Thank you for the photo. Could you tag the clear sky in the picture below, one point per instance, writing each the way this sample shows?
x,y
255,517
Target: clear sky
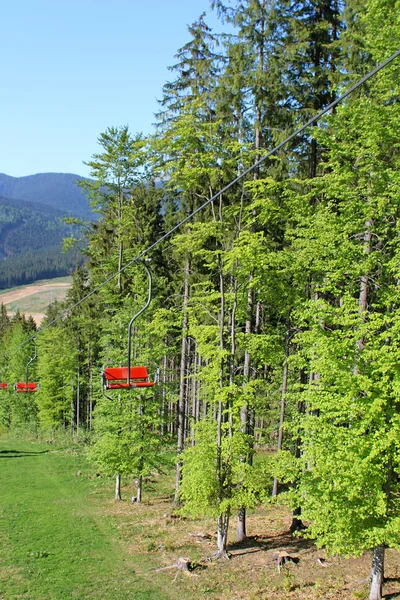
x,y
71,68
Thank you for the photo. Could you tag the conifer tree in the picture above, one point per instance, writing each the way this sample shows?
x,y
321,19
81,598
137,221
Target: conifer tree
x,y
57,373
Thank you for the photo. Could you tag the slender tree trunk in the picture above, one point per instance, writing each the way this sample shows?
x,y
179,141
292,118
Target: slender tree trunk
x,y
282,412
183,385
139,489
195,399
223,527
223,518
118,487
241,525
297,523
377,571
119,287
164,396
244,411
120,248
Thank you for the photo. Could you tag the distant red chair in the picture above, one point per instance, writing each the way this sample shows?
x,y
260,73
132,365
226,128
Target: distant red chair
x,y
26,387
3,386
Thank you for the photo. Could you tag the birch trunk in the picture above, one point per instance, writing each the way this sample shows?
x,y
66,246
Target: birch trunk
x,y
118,487
223,518
377,571
223,527
139,489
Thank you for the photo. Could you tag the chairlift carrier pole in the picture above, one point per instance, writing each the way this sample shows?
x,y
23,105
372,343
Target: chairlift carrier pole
x,y
27,366
134,319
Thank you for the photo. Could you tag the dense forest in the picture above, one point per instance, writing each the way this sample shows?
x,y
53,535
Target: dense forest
x,y
31,243
272,329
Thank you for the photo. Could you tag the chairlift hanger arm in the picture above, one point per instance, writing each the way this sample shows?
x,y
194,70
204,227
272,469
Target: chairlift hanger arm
x,y
118,378
29,362
150,280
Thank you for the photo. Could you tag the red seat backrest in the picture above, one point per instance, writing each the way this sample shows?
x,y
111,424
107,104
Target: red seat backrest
x,y
3,386
22,386
121,373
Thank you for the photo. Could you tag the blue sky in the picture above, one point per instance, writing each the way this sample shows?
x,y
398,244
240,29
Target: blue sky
x,y
72,68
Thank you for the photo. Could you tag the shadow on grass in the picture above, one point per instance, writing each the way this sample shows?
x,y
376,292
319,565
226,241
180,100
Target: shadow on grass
x,y
19,453
392,595
277,542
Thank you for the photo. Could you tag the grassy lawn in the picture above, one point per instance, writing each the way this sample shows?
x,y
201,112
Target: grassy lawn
x,y
62,536
55,540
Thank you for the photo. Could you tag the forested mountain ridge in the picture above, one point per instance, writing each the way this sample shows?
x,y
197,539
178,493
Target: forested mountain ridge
x,y
56,190
31,237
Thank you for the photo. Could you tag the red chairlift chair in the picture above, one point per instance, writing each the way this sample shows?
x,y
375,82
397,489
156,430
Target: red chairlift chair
x,y
126,378
27,387
116,378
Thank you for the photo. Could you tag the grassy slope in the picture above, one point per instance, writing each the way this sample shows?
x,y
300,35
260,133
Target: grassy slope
x,y
55,541
67,279
38,301
63,537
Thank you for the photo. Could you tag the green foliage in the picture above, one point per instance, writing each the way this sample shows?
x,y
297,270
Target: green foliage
x,y
127,440
217,480
57,366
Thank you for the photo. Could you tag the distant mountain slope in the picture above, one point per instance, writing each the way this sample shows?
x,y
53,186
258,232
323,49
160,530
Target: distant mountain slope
x,y
56,190
31,243
28,227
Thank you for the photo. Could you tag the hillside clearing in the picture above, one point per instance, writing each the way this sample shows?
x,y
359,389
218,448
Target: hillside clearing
x,y
34,298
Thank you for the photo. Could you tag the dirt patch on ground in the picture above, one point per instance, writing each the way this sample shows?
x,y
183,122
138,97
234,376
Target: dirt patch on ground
x,y
40,294
28,290
152,530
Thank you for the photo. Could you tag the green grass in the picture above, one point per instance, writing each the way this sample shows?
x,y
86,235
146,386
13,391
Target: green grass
x,y
56,542
63,537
